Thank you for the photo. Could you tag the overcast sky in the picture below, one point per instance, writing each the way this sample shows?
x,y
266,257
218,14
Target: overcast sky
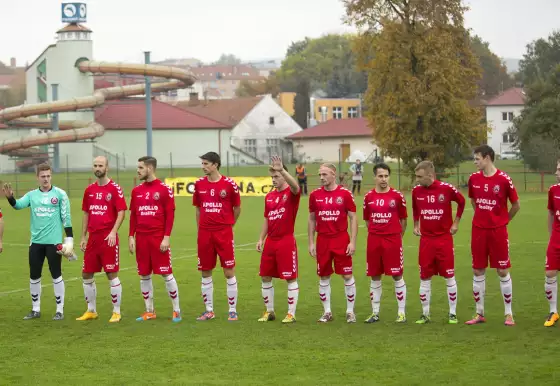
x,y
250,29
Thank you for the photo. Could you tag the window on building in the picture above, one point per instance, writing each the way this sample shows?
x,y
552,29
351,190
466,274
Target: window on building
x,y
510,116
271,120
250,146
352,112
272,146
507,138
337,112
507,116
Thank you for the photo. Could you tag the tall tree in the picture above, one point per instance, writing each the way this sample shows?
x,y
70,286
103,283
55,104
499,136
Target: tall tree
x,y
422,77
541,58
302,103
495,77
253,88
537,128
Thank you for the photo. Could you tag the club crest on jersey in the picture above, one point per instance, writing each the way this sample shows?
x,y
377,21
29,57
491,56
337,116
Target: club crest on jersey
x,y
339,200
156,196
392,203
108,197
54,200
223,193
284,197
441,198
496,189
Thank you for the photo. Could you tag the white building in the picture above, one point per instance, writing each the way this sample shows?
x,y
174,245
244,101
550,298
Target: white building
x,y
500,112
260,125
334,140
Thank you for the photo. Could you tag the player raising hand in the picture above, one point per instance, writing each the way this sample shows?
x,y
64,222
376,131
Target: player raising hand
x,y
279,256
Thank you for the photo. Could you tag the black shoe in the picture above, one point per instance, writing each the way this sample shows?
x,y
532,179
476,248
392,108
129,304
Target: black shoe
x,y
58,316
32,315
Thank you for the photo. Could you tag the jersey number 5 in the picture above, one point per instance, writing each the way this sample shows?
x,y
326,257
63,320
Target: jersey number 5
x,y
485,187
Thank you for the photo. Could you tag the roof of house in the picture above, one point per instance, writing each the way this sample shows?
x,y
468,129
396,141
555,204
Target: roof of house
x,y
74,27
227,111
6,80
335,128
131,114
511,97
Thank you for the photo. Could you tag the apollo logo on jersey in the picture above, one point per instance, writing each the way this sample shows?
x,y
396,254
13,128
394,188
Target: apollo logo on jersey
x,y
248,186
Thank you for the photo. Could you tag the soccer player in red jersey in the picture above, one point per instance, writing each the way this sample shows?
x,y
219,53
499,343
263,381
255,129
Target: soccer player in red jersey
x,y
218,206
489,191
279,256
104,208
385,214
433,222
152,213
330,207
553,251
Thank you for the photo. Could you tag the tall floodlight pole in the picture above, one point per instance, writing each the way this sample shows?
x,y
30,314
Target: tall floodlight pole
x,y
56,155
148,108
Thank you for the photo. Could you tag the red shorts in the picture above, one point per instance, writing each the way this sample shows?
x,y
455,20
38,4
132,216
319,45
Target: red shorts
x,y
331,249
384,255
149,258
436,256
490,243
213,243
279,258
99,255
553,253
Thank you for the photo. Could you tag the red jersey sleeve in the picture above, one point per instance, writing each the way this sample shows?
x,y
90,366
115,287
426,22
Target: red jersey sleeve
x,y
132,221
350,203
365,208
235,197
512,191
471,192
85,200
460,200
195,199
120,202
550,200
402,206
415,211
312,203
169,209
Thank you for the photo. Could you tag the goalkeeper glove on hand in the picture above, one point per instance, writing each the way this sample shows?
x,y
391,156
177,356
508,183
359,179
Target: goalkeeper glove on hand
x,y
67,249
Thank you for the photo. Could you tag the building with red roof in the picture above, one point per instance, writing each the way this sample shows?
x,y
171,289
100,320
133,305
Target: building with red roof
x,y
334,140
500,112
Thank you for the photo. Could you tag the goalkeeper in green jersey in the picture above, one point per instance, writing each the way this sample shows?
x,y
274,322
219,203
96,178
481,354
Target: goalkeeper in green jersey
x,y
50,212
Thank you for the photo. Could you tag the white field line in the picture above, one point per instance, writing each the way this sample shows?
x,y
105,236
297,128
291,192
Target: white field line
x,y
237,247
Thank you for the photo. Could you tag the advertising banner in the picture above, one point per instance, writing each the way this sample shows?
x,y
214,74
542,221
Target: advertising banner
x,y
248,186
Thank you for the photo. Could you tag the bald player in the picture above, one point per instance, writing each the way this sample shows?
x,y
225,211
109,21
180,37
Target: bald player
x,y
104,208
330,207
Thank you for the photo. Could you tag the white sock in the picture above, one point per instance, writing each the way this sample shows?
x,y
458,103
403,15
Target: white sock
x,y
325,293
425,295
400,294
375,290
350,290
479,288
90,293
293,294
116,294
58,285
232,293
35,290
452,295
551,292
147,289
507,292
173,291
268,295
207,289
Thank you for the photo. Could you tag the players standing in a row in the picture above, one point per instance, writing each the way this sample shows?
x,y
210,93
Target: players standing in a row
x,y
277,242
384,212
330,207
552,264
50,212
433,222
218,206
152,213
489,191
104,209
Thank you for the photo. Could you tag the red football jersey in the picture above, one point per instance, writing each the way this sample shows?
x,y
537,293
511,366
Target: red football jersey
x,y
280,208
103,204
554,207
432,207
216,201
491,195
383,211
331,209
152,209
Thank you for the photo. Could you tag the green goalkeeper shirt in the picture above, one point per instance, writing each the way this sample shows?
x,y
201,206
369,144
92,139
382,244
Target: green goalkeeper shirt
x,y
50,212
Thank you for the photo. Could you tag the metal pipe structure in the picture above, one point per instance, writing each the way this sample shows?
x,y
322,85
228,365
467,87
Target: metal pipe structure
x,y
72,131
148,109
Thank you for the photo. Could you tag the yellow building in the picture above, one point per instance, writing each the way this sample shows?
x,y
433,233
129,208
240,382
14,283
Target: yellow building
x,y
324,109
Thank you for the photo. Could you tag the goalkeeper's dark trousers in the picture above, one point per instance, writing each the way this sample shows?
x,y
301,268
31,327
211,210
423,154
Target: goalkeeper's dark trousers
x,y
37,254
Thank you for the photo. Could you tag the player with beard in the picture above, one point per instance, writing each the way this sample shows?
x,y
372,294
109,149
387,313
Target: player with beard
x,y
104,208
152,213
218,205
279,256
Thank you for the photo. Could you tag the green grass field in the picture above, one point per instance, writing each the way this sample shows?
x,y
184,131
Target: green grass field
x,y
247,352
